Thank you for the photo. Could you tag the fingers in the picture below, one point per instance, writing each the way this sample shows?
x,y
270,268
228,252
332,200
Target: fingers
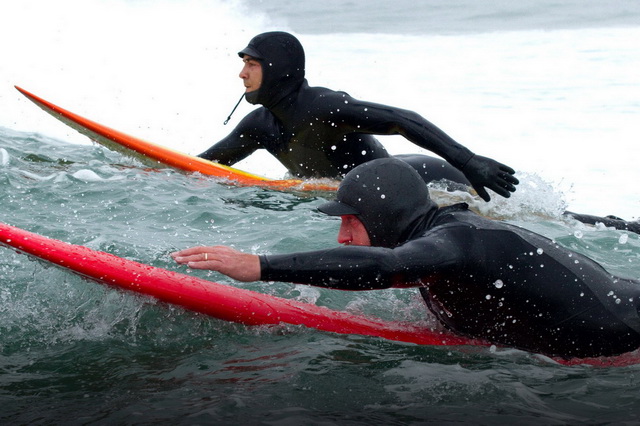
x,y
199,257
226,260
509,178
506,181
198,261
503,192
189,251
482,193
508,186
507,169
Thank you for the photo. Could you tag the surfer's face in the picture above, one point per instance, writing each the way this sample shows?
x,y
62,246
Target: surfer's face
x,y
251,73
352,232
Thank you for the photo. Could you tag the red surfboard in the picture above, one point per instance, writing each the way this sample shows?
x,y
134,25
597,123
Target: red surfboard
x,y
155,155
218,300
234,304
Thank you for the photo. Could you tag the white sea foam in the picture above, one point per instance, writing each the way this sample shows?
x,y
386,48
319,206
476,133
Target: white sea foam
x,y
4,157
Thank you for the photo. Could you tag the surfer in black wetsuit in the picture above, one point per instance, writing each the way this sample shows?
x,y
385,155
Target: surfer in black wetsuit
x,y
320,133
481,278
316,132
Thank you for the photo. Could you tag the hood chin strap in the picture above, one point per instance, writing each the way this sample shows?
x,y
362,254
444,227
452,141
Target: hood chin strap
x,y
233,110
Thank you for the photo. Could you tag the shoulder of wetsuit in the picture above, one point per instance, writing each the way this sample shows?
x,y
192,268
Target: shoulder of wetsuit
x,y
321,96
453,213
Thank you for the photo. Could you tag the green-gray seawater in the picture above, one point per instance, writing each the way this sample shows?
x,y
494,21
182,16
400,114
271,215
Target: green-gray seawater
x,y
76,352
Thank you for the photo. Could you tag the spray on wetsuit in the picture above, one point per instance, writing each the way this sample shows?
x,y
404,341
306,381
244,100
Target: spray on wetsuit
x,y
481,278
316,132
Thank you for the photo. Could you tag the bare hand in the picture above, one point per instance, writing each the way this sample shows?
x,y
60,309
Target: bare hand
x,y
230,262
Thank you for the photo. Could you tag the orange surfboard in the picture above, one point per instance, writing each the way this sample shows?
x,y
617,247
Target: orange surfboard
x,y
155,155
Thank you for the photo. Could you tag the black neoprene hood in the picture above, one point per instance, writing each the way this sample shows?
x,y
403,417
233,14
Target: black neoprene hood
x,y
282,58
388,196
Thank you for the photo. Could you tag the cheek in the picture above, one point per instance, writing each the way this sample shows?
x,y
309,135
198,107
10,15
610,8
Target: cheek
x,y
361,239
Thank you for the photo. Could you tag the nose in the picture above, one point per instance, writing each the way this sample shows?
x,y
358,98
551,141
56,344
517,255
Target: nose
x,y
243,72
344,236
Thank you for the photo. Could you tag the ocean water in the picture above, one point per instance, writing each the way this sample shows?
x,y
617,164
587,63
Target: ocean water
x,y
549,88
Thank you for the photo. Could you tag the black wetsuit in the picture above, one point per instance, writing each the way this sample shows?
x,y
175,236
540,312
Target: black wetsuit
x,y
316,132
481,278
321,133
489,280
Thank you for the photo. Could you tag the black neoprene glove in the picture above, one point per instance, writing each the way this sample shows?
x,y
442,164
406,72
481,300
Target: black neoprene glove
x,y
484,172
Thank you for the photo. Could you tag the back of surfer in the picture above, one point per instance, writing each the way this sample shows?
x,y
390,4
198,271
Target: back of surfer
x,y
316,132
481,278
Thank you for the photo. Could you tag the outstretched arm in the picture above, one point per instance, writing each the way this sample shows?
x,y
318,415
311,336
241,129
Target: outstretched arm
x,y
483,173
322,268
342,268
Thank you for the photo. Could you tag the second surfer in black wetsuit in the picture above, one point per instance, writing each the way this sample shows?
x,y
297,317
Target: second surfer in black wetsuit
x,y
481,278
316,132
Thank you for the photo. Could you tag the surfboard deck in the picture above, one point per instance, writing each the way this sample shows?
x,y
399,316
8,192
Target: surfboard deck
x,y
154,155
217,300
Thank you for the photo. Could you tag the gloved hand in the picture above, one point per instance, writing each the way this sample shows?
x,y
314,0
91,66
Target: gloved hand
x,y
484,172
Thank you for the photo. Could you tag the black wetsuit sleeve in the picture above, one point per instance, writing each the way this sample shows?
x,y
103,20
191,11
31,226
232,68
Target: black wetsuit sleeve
x,y
366,117
245,139
344,268
373,118
360,268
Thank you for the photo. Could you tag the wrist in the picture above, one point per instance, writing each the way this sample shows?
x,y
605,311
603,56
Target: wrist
x,y
462,158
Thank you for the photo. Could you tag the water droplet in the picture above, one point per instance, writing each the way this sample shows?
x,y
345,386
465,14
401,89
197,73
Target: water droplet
x,y
498,284
540,251
623,239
